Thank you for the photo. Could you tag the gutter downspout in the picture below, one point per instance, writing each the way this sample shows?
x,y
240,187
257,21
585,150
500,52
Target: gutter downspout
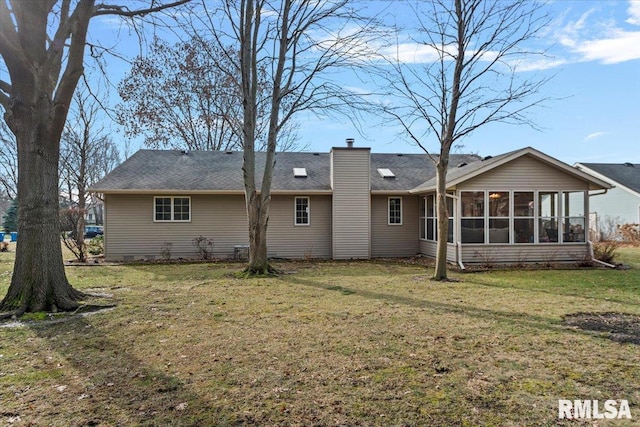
x,y
459,250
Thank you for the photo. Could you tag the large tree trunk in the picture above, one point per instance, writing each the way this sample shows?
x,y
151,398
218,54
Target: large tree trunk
x,y
258,214
39,282
440,272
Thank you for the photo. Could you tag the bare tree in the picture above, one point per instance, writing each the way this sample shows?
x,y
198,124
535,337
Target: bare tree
x,y
299,43
42,46
177,97
472,78
87,154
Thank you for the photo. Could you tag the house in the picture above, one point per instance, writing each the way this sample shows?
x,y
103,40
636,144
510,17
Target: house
x,y
522,206
621,204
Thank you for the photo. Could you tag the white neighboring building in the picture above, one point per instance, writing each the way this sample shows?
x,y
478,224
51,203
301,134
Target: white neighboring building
x,y
619,205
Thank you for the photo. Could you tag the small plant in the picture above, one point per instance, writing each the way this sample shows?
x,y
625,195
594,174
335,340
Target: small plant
x,y
96,245
165,250
605,251
204,247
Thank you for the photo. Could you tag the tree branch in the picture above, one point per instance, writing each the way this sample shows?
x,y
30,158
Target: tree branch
x,y
109,9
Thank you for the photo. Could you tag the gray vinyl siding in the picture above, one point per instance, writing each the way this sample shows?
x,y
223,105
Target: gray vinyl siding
x,y
525,173
350,177
618,206
394,240
131,233
524,253
287,240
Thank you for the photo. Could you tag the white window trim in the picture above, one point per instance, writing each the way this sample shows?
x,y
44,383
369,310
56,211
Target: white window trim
x,y
172,209
295,211
389,210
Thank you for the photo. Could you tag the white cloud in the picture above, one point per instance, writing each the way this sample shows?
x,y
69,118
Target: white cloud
x,y
594,135
621,46
634,13
604,41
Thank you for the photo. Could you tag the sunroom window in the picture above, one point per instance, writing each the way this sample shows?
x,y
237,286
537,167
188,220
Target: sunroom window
x,y
523,216
573,217
499,202
472,220
548,217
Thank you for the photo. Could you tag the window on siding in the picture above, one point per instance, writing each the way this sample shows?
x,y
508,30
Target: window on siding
x,y
301,211
395,211
169,209
573,217
548,217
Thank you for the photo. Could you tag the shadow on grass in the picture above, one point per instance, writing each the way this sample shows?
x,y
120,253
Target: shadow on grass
x,y
511,318
119,388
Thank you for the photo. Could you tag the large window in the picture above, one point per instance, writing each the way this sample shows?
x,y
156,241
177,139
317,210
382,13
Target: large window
x,y
395,211
573,217
499,202
472,216
548,208
301,211
523,216
172,209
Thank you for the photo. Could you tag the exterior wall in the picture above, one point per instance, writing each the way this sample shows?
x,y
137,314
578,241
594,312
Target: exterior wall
x,y
131,233
287,240
525,173
524,253
394,240
351,183
618,206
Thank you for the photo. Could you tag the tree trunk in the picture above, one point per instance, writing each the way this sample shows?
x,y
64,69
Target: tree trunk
x,y
443,220
39,282
258,214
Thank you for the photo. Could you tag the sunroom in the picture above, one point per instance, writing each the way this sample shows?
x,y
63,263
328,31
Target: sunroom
x,y
522,206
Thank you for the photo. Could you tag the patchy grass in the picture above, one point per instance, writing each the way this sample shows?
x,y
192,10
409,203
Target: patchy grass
x,y
361,343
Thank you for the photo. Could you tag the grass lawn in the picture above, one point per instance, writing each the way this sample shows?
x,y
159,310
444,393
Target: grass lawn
x,y
326,344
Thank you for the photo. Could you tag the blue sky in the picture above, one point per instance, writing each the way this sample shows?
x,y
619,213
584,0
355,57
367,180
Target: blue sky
x,y
596,117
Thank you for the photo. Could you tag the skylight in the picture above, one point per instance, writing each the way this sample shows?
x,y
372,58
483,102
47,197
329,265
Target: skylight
x,y
300,172
386,173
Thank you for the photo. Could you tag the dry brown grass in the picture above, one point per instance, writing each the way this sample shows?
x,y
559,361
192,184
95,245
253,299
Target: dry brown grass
x,y
325,344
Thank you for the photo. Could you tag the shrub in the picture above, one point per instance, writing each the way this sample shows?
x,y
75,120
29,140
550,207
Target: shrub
x,y
605,251
203,247
96,245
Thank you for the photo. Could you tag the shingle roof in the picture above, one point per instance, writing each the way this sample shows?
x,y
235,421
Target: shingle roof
x,y
410,170
173,170
626,174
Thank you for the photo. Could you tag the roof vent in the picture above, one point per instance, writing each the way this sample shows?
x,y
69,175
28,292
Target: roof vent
x,y
463,164
629,165
350,142
386,173
300,172
400,154
487,158
316,154
185,152
228,152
